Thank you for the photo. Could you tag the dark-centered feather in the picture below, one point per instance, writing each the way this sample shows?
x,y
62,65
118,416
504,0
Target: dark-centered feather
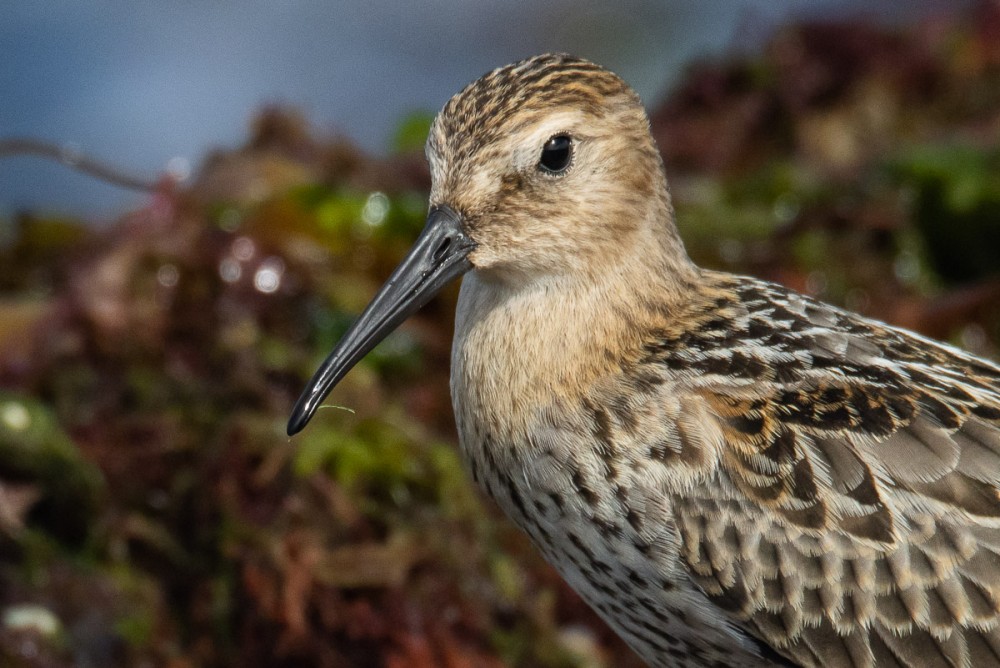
x,y
854,513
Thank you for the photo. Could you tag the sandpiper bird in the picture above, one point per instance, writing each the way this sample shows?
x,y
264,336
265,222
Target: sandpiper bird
x,y
729,472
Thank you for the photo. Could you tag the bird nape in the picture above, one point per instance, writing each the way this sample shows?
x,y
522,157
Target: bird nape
x,y
729,472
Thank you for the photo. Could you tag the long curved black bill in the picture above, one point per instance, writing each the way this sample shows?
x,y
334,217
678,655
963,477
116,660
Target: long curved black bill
x,y
440,254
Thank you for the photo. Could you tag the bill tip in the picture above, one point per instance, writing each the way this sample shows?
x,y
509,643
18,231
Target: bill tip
x,y
297,422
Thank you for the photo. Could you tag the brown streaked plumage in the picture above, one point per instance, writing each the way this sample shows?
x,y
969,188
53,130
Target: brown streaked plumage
x,y
729,472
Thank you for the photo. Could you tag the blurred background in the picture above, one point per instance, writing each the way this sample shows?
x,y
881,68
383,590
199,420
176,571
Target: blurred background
x,y
154,85
153,337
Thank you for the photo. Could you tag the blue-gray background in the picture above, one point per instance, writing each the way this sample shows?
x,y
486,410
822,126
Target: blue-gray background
x,y
141,83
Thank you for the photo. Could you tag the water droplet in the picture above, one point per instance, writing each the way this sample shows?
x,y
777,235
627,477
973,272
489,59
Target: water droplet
x,y
786,207
816,283
244,249
15,416
179,168
268,276
906,267
168,275
974,338
28,648
375,210
230,219
257,189
230,270
731,250
31,617
858,300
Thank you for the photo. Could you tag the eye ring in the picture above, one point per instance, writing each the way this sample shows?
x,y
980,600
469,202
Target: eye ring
x,y
557,154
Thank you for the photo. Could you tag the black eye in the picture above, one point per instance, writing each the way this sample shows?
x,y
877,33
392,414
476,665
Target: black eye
x,y
556,154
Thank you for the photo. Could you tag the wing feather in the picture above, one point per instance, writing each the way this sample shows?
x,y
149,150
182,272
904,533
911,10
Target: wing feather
x,y
862,479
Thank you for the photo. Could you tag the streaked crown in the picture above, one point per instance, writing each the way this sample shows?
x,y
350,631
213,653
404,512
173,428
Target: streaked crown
x,y
478,113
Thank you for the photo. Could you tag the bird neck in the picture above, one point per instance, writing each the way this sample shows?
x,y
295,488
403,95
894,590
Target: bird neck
x,y
520,348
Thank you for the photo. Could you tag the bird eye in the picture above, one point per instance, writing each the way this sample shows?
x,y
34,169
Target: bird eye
x,y
556,154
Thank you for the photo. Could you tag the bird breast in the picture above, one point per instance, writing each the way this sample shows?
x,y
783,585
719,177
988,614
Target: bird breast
x,y
587,475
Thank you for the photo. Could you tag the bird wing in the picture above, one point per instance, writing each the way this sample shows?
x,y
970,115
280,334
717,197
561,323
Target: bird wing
x,y
853,514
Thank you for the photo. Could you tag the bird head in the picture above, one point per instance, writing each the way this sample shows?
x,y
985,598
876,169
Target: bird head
x,y
549,162
543,167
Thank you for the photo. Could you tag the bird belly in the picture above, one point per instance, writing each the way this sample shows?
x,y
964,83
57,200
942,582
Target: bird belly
x,y
633,579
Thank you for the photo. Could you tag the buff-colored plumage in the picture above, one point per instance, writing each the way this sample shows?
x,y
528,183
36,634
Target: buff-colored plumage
x,y
714,462
729,472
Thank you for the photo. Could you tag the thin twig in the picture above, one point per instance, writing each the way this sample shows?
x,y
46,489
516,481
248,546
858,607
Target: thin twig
x,y
74,159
